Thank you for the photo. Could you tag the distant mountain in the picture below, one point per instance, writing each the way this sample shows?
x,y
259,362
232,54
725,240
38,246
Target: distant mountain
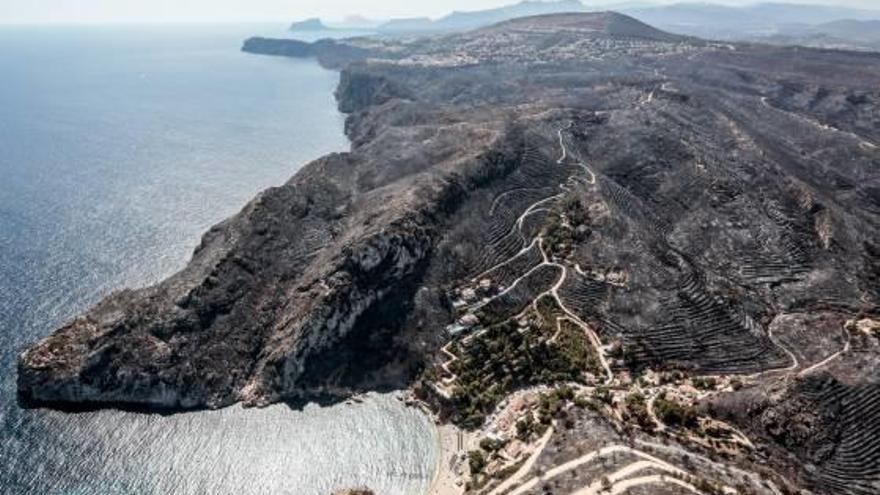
x,y
408,24
462,21
719,21
313,24
811,25
845,34
851,29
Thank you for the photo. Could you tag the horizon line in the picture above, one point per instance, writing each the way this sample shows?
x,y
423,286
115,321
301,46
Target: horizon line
x,y
604,6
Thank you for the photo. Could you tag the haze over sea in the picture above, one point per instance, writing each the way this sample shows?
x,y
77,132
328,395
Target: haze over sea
x,y
119,146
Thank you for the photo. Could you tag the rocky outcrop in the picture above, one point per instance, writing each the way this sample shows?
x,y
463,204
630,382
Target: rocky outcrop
x,y
281,48
359,90
313,24
329,52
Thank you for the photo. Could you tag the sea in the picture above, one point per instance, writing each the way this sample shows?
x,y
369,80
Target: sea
x,y
119,146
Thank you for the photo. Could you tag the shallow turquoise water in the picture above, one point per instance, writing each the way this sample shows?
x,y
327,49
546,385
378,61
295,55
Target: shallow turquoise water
x,y
118,147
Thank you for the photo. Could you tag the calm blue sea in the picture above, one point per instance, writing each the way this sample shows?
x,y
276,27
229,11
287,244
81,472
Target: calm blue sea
x,y
119,146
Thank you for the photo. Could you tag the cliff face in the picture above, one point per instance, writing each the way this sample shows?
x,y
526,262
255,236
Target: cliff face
x,y
287,277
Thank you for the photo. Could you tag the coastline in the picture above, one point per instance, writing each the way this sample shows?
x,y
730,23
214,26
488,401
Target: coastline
x,y
450,444
446,480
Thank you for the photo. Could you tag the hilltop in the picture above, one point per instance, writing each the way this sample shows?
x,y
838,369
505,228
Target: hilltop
x,y
607,24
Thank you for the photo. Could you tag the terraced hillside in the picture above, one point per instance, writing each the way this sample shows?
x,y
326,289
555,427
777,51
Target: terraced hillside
x,y
626,260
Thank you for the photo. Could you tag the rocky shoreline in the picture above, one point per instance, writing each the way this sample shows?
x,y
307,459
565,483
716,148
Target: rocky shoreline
x,y
284,280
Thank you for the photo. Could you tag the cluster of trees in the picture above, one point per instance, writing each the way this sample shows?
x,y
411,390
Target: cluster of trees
x,y
527,426
501,360
673,376
557,235
491,315
624,355
572,343
637,411
551,405
561,235
490,445
675,414
476,461
548,310
576,347
578,216
705,383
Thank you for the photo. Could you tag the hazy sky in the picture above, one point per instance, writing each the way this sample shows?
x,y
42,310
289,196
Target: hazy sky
x,y
36,11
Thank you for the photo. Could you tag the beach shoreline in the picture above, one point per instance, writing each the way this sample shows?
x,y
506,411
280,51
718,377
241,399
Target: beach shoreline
x,y
451,446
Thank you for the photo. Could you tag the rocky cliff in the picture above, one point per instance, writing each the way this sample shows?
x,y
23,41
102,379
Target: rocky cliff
x,y
286,278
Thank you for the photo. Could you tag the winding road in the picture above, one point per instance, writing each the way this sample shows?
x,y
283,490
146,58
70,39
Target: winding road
x,y
629,475
864,143
820,364
796,363
553,292
647,461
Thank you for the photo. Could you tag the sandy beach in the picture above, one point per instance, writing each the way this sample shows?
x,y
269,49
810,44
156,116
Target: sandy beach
x,y
452,444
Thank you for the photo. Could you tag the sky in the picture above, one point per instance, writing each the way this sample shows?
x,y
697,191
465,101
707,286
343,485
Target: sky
x,y
104,11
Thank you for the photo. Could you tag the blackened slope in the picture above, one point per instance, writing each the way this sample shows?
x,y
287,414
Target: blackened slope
x,y
826,420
